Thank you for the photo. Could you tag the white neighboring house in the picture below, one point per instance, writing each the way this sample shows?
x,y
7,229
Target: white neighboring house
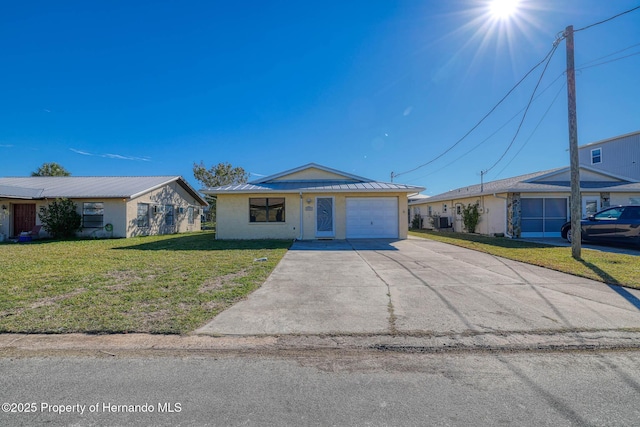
x,y
537,204
414,207
110,206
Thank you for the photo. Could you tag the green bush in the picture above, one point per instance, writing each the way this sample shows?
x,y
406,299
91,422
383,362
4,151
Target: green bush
x,y
60,218
416,222
470,217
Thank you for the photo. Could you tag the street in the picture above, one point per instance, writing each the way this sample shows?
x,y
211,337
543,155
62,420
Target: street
x,y
325,388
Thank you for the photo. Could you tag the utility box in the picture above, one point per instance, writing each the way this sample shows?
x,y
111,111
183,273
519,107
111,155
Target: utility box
x,y
444,222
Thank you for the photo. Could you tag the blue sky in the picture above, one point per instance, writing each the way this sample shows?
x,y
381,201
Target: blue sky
x,y
368,87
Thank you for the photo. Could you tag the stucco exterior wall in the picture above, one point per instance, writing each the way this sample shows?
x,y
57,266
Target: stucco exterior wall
x,y
171,194
122,214
624,198
232,216
492,213
114,214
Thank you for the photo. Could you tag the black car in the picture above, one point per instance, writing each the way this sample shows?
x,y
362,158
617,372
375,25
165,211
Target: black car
x,y
617,224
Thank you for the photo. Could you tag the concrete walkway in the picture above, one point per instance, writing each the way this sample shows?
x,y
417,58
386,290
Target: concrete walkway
x,y
418,286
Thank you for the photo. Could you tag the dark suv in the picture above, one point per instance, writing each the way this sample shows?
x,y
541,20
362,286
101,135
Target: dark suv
x,y
617,224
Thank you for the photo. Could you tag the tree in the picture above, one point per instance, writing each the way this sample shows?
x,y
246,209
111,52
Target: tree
x,y
220,174
216,176
61,218
51,169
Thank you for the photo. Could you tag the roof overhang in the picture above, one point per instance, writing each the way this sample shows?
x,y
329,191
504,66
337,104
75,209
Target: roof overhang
x,y
22,193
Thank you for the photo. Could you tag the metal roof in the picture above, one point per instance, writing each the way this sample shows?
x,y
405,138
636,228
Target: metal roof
x,y
319,186
20,192
345,182
527,184
84,187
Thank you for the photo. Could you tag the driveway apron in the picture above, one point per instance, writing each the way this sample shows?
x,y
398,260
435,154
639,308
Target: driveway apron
x,y
420,286
318,287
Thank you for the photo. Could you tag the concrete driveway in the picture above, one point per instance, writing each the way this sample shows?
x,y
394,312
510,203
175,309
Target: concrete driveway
x,y
422,287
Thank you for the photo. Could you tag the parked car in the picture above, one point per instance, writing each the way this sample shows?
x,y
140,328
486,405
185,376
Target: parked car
x,y
617,224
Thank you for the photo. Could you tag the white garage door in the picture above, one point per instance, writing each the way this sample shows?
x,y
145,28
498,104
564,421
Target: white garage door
x,y
372,217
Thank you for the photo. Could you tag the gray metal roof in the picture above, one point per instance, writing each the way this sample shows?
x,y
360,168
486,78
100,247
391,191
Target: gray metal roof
x,y
345,183
526,184
319,186
83,187
20,192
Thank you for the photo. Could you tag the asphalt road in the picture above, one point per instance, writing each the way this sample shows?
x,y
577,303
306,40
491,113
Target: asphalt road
x,y
325,388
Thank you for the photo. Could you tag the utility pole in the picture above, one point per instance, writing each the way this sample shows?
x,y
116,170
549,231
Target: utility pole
x,y
576,200
391,176
482,181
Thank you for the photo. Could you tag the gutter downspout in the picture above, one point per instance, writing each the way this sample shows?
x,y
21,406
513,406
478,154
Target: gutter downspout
x,y
301,218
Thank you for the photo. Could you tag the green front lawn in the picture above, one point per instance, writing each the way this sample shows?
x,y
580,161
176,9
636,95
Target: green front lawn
x,y
159,284
615,269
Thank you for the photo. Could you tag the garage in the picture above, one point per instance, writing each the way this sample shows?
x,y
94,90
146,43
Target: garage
x,y
543,217
372,217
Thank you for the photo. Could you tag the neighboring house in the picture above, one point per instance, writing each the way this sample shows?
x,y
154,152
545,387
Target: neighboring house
x,y
414,206
537,204
110,206
619,155
312,202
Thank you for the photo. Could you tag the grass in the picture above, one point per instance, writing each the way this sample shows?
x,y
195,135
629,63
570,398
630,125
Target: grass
x,y
610,268
158,284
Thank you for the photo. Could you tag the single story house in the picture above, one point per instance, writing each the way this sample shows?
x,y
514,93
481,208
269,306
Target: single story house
x,y
312,202
110,206
537,204
532,205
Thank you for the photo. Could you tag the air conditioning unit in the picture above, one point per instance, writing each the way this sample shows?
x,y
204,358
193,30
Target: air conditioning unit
x,y
444,222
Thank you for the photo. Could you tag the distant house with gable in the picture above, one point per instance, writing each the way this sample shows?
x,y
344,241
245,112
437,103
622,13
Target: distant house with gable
x,y
110,206
537,204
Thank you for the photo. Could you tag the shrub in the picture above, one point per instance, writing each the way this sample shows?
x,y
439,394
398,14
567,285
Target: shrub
x,y
60,218
416,222
470,217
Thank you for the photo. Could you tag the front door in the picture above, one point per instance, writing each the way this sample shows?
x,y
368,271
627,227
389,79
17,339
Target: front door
x,y
24,218
324,217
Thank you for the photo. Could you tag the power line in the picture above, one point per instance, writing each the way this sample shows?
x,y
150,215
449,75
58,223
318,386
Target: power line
x,y
609,61
611,54
493,134
534,130
607,20
485,116
583,67
555,46
547,58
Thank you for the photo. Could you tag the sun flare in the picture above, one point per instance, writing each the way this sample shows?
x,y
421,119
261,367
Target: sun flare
x,y
503,9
